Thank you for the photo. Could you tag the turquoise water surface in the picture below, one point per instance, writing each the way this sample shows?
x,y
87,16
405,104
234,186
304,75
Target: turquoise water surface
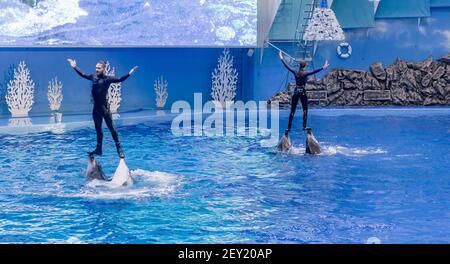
x,y
383,173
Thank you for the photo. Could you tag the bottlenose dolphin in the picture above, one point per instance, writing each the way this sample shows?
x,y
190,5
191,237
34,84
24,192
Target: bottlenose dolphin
x,y
94,171
312,145
122,176
285,143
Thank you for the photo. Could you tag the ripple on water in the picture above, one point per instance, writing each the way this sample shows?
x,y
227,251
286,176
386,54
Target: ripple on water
x,y
372,180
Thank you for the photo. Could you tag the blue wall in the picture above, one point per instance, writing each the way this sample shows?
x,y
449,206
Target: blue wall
x,y
187,71
389,39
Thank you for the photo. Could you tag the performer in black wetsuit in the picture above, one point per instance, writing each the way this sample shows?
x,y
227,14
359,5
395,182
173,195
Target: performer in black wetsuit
x,y
100,86
301,76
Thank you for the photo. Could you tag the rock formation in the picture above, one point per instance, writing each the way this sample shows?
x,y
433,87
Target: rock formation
x,y
402,83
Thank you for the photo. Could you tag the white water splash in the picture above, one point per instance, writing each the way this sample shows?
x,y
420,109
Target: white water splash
x,y
19,20
122,176
74,240
147,184
373,240
163,183
101,190
335,150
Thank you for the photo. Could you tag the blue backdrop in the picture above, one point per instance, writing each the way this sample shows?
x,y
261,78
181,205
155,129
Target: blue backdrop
x,y
187,71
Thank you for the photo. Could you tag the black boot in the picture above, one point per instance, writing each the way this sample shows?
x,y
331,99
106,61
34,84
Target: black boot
x,y
97,151
119,151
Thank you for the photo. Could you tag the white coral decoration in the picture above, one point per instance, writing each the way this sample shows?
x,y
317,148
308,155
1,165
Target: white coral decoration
x,y
54,94
161,91
20,95
224,79
323,26
114,91
20,122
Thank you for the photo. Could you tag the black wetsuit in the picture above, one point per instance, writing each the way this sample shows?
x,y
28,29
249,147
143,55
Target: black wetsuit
x,y
100,86
299,93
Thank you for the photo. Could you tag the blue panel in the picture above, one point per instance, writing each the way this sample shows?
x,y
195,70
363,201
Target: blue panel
x,y
290,13
401,9
440,3
354,13
187,70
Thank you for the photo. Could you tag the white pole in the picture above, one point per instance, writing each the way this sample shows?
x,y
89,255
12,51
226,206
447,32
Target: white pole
x,y
280,50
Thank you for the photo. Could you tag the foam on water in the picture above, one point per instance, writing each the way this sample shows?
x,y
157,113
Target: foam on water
x,y
102,190
19,20
330,150
347,151
162,182
147,184
373,240
122,176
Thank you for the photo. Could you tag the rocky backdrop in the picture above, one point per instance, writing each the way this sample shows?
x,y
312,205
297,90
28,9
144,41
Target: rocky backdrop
x,y
402,83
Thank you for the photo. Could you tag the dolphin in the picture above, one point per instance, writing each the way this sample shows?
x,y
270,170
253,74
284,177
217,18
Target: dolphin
x,y
122,176
285,143
94,171
312,145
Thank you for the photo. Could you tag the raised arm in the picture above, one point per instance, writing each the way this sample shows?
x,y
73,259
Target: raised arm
x,y
82,74
123,78
325,65
113,79
285,64
314,72
73,64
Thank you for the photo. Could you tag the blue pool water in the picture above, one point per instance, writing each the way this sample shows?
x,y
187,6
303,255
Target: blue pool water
x,y
384,174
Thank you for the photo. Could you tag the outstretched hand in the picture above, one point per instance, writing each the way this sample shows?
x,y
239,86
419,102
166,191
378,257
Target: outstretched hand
x,y
325,65
133,70
72,62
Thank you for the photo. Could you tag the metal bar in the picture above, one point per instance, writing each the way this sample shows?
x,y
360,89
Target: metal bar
x,y
280,50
